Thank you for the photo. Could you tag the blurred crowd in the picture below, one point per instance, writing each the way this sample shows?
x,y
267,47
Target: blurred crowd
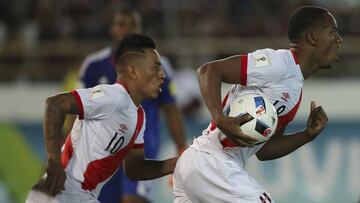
x,y
89,19
38,34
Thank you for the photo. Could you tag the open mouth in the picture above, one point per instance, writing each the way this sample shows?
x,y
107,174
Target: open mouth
x,y
160,90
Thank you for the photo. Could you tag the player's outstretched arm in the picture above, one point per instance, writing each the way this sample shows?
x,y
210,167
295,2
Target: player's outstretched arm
x,y
56,108
175,124
138,168
280,145
210,77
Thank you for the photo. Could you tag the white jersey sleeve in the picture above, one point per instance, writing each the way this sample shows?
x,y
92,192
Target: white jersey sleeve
x,y
263,67
96,103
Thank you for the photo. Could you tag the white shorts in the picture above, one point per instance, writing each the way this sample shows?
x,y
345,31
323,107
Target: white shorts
x,y
35,196
213,177
69,195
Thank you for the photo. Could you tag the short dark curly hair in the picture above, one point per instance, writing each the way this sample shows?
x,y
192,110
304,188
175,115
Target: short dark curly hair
x,y
133,43
303,18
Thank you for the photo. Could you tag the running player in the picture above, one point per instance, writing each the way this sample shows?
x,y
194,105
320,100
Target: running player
x,y
98,68
108,131
212,169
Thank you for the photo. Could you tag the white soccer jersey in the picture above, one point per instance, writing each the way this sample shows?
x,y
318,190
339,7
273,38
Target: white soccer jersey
x,y
273,73
215,166
109,126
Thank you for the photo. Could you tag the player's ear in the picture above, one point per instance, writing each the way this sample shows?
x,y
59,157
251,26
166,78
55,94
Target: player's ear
x,y
131,71
311,38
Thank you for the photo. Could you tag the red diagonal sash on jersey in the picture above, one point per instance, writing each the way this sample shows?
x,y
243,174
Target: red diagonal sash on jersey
x,y
78,103
67,152
243,71
99,170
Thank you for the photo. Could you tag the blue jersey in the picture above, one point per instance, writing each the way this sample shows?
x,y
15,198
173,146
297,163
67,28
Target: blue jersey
x,y
99,68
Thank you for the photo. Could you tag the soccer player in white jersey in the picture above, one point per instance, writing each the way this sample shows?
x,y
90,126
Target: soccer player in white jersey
x,y
212,169
108,131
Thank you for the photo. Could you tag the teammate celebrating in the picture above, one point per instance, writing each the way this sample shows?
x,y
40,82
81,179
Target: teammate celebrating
x,y
108,131
212,169
98,68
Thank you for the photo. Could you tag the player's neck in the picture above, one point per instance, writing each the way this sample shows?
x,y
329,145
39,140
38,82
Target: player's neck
x,y
131,90
306,62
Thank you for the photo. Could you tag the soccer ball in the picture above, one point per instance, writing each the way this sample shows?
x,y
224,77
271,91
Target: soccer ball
x,y
265,121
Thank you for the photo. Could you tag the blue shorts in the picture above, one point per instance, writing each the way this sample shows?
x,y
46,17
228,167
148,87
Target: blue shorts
x,y
120,185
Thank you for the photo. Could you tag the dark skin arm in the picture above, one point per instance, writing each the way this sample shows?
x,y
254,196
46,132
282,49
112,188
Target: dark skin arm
x,y
210,77
280,145
138,168
55,111
176,127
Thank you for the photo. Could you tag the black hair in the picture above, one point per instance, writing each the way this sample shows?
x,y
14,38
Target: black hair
x,y
130,11
303,18
133,43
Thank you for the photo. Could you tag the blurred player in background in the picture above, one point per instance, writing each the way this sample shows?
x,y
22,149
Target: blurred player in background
x,y
109,129
99,68
212,169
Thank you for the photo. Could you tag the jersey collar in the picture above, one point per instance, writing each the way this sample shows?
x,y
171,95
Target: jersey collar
x,y
122,83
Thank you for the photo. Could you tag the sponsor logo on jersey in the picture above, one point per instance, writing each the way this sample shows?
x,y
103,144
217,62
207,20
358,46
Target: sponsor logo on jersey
x,y
122,128
285,96
261,59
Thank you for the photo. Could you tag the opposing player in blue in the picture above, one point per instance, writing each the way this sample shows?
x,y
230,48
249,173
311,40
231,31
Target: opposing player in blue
x,y
98,68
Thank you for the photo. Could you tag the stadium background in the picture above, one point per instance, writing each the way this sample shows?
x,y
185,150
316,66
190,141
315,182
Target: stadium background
x,y
42,42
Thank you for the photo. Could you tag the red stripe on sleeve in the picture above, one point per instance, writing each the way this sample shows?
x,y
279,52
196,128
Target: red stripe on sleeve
x,y
79,103
287,118
99,170
243,71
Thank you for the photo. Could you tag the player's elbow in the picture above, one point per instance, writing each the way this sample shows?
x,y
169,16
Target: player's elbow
x,y
204,70
55,105
209,71
51,101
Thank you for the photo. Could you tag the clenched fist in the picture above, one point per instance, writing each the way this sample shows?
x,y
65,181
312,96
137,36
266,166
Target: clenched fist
x,y
230,126
317,120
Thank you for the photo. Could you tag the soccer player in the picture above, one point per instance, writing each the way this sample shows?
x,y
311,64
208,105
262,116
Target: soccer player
x,y
108,131
212,169
99,68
